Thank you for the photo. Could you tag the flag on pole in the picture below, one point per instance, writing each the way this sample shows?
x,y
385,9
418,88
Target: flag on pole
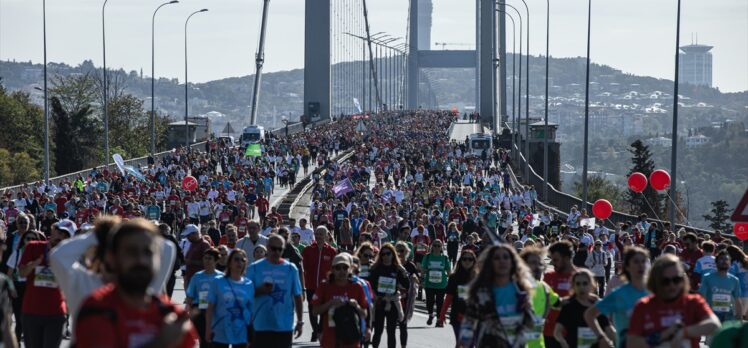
x,y
357,104
342,187
253,150
134,172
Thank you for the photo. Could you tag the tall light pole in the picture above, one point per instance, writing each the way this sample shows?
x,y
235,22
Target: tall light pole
x,y
587,107
153,76
259,61
519,107
674,144
545,129
106,86
46,98
186,83
527,95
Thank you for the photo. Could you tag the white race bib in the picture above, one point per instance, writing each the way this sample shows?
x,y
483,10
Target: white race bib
x,y
202,298
44,278
462,292
721,303
386,285
585,337
510,324
435,276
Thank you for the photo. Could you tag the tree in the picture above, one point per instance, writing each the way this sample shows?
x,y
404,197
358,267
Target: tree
x,y
649,201
22,127
74,136
600,188
24,168
719,216
75,92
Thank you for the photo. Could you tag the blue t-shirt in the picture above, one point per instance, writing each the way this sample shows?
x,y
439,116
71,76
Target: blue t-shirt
x,y
721,292
232,309
275,311
199,287
619,304
505,298
741,273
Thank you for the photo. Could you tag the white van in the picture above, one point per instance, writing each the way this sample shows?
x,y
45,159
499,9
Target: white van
x,y
477,142
252,135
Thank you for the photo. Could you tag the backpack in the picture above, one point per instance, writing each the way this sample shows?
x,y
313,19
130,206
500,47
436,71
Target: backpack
x,y
347,325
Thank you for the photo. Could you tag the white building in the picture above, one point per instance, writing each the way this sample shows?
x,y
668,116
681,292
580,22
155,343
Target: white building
x,y
697,140
660,142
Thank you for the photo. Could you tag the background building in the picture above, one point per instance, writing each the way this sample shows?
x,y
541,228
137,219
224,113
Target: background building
x,y
696,65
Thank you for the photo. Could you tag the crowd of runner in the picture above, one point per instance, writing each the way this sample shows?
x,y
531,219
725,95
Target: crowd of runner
x,y
410,216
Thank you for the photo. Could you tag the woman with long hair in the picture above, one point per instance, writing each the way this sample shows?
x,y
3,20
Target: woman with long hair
x,y
366,256
329,297
739,269
498,310
346,235
230,302
618,303
670,315
457,291
408,301
571,330
389,279
25,234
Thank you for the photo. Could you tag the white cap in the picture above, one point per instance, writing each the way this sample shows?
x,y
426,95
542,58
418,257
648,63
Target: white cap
x,y
190,229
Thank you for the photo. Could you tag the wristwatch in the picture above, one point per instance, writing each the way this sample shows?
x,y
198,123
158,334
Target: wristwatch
x,y
300,322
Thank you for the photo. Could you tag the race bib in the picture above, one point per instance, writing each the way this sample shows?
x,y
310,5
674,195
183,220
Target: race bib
x,y
462,292
435,276
585,337
364,272
421,248
564,286
721,303
202,297
536,332
44,278
510,324
386,285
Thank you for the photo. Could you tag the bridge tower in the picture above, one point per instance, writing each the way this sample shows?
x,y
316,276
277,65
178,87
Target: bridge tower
x,y
487,57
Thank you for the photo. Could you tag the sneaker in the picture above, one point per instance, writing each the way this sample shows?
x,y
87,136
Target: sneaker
x,y
430,321
439,323
314,336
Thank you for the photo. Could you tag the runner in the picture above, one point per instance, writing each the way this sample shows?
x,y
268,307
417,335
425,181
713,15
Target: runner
x,y
670,314
389,280
198,292
571,329
407,301
230,299
193,258
133,254
436,268
317,259
543,296
739,269
722,290
277,297
251,240
457,291
498,307
560,281
619,303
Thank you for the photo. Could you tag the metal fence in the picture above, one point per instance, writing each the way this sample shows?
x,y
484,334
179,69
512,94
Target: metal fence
x,y
561,202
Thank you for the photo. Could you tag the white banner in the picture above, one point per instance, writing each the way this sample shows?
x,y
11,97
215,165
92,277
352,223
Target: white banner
x,y
357,104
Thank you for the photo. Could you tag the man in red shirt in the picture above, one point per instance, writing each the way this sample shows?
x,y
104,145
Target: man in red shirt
x,y
262,207
194,258
670,316
43,309
317,260
560,280
690,254
123,314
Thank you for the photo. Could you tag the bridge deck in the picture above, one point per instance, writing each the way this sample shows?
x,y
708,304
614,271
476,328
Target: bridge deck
x,y
462,128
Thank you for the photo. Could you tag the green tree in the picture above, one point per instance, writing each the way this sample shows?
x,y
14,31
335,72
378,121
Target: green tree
x,y
24,168
76,147
6,174
23,124
600,188
649,201
719,216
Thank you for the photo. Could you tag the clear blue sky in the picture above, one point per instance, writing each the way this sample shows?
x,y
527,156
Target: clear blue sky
x,y
636,36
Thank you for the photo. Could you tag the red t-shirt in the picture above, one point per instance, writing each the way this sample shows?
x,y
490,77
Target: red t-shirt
x,y
421,243
327,292
43,296
651,316
105,320
561,284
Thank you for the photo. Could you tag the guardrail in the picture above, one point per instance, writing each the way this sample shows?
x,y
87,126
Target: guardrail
x,y
143,161
561,202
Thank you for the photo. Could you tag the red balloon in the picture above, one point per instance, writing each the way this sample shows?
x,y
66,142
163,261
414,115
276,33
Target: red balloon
x,y
741,230
189,183
602,209
637,182
659,179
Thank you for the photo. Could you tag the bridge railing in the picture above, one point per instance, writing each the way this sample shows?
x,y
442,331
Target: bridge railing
x,y
561,203
143,161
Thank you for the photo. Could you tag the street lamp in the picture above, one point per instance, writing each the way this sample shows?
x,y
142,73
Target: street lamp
x,y
106,86
186,82
688,201
545,129
46,101
153,76
674,146
527,95
519,107
514,75
586,107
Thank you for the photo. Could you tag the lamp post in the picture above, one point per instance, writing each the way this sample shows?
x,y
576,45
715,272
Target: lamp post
x,y
545,128
586,107
106,85
688,200
519,107
527,94
674,146
186,83
46,100
153,76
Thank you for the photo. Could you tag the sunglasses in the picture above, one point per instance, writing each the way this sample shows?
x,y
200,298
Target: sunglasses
x,y
341,268
581,283
470,259
437,245
275,248
674,280
386,254
368,256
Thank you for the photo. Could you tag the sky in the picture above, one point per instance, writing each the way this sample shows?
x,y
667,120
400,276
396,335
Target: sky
x,y
636,36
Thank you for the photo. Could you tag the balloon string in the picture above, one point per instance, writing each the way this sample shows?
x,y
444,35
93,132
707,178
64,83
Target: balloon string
x,y
677,209
650,207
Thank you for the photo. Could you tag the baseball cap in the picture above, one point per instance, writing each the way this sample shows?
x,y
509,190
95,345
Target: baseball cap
x,y
68,226
586,240
343,258
190,229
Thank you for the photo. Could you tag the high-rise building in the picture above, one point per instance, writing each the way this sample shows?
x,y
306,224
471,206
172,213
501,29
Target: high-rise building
x,y
425,9
696,65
